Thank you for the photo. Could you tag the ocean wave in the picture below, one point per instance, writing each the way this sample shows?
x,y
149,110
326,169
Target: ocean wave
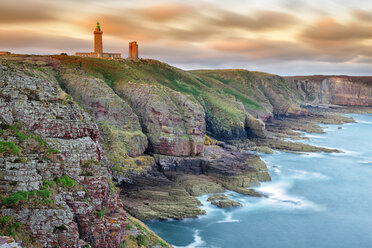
x,y
198,242
314,136
363,122
365,162
278,196
344,152
228,218
313,155
306,175
274,168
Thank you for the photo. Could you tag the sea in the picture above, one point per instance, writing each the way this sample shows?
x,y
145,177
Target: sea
x,y
315,200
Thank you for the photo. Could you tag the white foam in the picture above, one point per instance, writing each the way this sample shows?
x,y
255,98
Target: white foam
x,y
365,162
329,129
313,155
198,242
278,197
275,168
314,136
306,175
364,122
228,218
344,152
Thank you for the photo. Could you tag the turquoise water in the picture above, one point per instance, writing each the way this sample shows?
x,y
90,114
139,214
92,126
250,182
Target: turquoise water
x,y
315,200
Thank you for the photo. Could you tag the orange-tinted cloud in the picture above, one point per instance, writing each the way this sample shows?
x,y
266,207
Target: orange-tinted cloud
x,y
257,21
193,32
362,15
329,29
22,11
164,12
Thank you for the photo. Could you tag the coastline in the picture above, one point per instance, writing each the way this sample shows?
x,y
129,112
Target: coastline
x,y
181,201
279,197
162,135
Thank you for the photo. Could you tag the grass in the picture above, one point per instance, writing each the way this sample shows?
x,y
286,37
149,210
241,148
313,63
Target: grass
x,y
100,213
43,193
15,198
248,103
48,184
65,181
5,220
220,92
52,151
6,146
38,139
26,196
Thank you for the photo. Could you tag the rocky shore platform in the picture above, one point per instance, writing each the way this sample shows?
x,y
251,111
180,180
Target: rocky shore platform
x,y
171,188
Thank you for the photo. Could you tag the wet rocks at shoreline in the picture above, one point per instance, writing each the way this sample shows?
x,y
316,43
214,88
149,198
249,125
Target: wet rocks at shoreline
x,y
222,201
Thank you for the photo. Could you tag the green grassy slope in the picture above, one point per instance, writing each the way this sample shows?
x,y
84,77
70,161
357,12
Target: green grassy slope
x,y
226,95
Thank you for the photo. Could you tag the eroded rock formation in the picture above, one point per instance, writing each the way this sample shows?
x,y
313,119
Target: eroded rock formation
x,y
339,90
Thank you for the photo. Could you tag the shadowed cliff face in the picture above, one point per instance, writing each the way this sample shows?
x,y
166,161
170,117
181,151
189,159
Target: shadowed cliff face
x,y
54,181
339,90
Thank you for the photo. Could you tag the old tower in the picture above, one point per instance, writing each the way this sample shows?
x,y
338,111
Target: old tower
x,y
133,50
98,47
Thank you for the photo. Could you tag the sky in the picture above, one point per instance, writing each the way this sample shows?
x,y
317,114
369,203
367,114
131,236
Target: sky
x,y
285,37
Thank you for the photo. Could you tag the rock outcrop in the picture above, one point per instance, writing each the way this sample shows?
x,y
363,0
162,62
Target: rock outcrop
x,y
56,187
169,191
174,123
339,90
54,181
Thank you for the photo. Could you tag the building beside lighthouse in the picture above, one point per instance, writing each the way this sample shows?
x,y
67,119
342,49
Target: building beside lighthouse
x,y
133,50
98,47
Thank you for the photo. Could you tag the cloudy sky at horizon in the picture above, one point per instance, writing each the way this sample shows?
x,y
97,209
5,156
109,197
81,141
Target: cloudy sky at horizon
x,y
286,37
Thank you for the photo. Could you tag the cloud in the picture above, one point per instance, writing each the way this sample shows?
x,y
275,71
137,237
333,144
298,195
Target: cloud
x,y
329,30
276,50
265,49
164,12
362,15
25,11
25,39
259,20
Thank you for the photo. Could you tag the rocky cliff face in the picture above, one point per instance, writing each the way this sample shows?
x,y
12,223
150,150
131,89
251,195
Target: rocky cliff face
x,y
53,180
339,90
174,123
56,186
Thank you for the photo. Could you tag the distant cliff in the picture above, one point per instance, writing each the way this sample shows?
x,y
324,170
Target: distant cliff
x,y
339,90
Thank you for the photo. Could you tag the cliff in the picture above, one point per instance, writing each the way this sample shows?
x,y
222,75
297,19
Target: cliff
x,y
339,90
56,186
74,130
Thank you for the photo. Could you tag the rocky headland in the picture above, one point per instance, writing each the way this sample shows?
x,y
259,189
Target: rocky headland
x,y
89,145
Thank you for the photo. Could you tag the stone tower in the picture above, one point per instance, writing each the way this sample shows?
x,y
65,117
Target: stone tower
x,y
133,50
98,47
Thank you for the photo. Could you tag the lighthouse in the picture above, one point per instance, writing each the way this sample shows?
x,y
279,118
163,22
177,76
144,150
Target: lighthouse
x,y
98,47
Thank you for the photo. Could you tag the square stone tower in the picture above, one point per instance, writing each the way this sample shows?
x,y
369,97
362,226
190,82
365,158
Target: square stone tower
x,y
133,50
98,47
